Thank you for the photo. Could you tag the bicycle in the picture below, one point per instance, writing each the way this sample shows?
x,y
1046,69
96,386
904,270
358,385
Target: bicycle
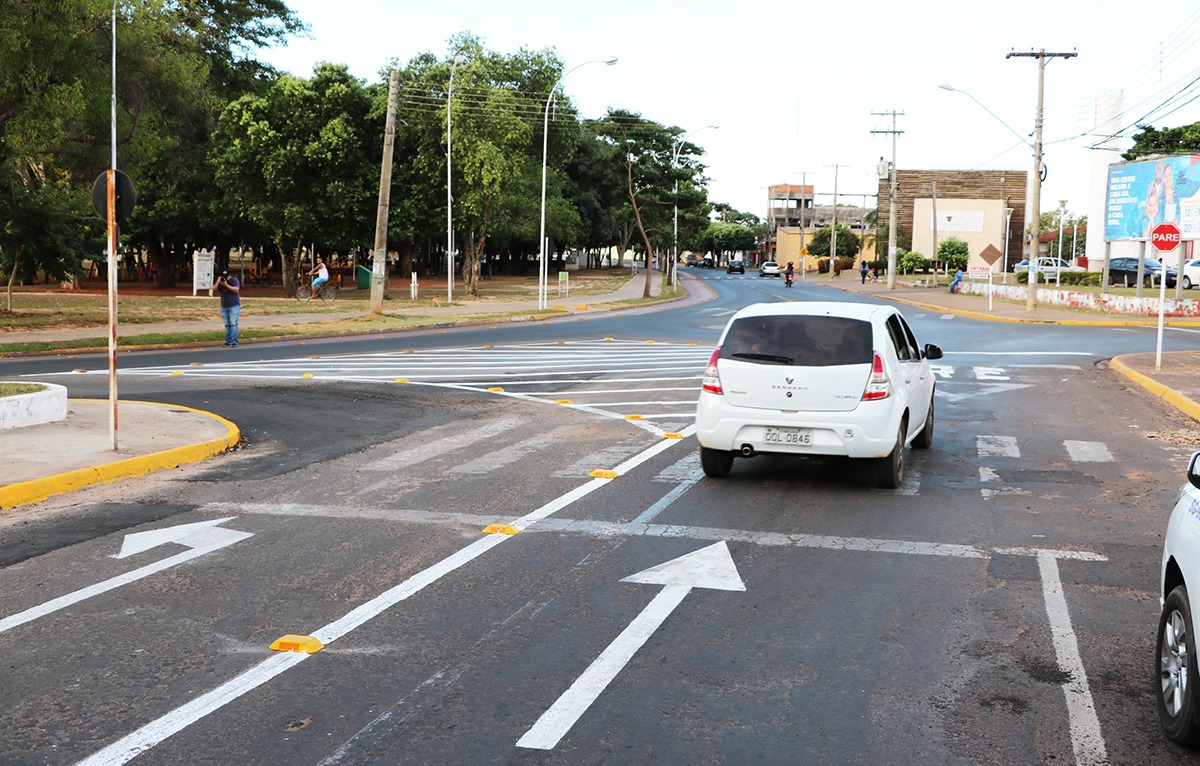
x,y
325,292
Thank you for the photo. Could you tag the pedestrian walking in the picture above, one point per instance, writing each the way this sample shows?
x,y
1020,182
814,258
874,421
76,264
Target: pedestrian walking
x,y
863,271
229,289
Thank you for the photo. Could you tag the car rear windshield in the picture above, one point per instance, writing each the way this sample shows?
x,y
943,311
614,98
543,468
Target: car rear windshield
x,y
803,341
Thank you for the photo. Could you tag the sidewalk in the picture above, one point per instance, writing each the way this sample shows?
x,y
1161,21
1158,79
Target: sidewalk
x,y
66,456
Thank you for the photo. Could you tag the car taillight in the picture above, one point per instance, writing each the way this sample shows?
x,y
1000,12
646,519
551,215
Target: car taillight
x,y
878,385
712,381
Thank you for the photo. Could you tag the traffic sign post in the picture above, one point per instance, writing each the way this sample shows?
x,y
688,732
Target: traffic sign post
x,y
1165,237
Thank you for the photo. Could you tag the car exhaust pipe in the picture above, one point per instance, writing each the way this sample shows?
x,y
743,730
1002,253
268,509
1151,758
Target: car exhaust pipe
x,y
747,451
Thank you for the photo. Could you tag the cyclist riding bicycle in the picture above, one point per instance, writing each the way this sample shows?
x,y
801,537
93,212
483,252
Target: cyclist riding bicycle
x,y
322,276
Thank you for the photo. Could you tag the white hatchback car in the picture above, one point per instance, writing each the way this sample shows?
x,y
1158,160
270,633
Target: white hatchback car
x,y
1178,679
806,378
1191,273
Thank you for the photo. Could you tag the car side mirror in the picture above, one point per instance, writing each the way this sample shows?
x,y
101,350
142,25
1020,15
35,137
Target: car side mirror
x,y
932,351
1194,470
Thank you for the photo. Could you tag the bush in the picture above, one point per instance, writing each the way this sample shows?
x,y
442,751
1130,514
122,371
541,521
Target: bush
x,y
909,262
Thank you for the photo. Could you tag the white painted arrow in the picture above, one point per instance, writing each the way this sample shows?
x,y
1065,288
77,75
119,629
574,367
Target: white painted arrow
x,y
202,534
710,567
200,538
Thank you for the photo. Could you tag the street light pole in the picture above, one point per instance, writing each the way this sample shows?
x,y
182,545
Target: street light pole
x,y
1062,208
449,196
674,165
542,286
1008,211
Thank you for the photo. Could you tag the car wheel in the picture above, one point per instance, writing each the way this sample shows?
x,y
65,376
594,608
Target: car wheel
x,y
1111,280
716,463
1177,670
1147,282
1187,283
924,439
889,471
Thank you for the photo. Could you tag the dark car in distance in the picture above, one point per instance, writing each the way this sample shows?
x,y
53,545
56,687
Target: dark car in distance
x,y
736,265
1124,271
707,262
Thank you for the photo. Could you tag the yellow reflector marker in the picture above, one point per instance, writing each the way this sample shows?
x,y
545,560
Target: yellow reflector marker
x,y
495,390
649,341
408,350
691,344
197,364
581,306
293,643
314,356
603,474
401,380
563,401
306,375
672,436
78,369
488,345
608,338
499,529
177,372
633,417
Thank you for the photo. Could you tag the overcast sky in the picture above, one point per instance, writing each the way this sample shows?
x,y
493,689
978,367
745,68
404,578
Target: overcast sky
x,y
793,87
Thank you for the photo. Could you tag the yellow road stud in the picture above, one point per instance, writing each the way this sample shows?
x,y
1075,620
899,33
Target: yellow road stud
x,y
499,529
197,364
400,380
633,417
294,643
603,474
177,372
562,401
495,390
672,436
306,375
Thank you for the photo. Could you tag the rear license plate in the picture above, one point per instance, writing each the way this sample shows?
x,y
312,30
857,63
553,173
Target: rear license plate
x,y
798,436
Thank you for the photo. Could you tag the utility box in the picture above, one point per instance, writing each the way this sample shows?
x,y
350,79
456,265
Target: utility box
x,y
364,278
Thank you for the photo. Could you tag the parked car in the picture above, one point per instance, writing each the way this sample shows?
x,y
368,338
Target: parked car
x,y
691,260
768,269
1047,268
1125,271
707,262
1191,273
736,265
817,378
1178,681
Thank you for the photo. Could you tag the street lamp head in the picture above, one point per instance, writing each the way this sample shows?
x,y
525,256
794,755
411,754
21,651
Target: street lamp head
x,y
610,60
459,59
947,86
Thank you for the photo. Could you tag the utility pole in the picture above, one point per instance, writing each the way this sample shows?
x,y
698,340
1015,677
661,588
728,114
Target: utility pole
x,y
891,262
1036,198
379,266
833,228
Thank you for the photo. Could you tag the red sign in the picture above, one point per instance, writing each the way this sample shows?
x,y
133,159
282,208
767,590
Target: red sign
x,y
1165,237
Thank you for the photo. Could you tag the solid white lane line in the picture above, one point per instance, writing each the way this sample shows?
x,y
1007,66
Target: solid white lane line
x,y
1088,452
1086,739
665,501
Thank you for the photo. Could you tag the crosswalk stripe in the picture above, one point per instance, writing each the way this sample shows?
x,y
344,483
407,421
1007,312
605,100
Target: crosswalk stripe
x,y
1088,452
439,441
997,446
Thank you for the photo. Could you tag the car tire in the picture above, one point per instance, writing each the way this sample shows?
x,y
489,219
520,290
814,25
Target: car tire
x,y
1177,677
717,463
1187,283
1147,281
924,440
889,470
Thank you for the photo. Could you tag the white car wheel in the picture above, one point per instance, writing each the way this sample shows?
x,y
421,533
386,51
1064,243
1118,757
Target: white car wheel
x,y
1177,670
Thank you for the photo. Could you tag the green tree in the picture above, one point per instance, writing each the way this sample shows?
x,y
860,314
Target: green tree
x,y
301,162
848,244
1184,139
953,253
646,148
721,237
909,262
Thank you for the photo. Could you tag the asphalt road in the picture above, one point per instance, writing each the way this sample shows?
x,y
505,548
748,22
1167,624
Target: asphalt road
x,y
999,608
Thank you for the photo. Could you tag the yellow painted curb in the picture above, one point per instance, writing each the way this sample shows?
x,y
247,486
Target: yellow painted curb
x,y
294,643
36,490
1170,395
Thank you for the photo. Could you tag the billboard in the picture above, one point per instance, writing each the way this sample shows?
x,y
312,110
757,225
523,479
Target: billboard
x,y
1143,194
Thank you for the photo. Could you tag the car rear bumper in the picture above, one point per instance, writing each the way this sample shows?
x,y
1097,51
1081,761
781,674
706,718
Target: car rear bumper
x,y
833,433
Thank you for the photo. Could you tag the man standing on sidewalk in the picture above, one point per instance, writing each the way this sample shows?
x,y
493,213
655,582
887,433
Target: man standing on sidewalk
x,y
862,269
231,306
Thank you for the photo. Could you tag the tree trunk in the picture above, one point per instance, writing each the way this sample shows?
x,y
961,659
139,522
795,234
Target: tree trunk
x,y
13,275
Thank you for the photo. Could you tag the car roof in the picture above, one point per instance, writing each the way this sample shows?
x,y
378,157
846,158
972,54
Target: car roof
x,y
847,309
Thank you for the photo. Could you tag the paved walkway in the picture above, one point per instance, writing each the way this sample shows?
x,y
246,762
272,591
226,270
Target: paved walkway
x,y
65,456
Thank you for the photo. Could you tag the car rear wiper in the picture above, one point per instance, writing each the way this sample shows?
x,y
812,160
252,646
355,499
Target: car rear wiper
x,y
773,358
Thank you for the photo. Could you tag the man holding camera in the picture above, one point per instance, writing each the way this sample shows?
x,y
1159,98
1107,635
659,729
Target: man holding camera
x,y
231,306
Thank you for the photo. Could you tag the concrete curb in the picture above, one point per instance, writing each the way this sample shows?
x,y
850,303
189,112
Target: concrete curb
x,y
36,490
1020,320
1176,399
